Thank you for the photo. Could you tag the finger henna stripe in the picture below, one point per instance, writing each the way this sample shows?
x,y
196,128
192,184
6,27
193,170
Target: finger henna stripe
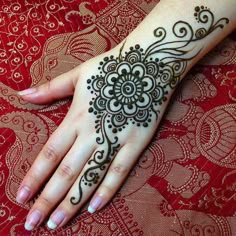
x,y
98,163
116,174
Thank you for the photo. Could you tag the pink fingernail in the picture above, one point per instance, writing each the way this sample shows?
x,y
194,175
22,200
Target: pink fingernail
x,y
27,91
33,220
23,195
95,204
56,219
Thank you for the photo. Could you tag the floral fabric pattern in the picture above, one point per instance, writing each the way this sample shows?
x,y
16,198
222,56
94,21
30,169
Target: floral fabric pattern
x,y
184,182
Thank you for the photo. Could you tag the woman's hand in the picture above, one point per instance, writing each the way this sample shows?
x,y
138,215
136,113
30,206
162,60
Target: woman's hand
x,y
119,99
112,118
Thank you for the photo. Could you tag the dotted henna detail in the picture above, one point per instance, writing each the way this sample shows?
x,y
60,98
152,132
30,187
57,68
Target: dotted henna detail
x,y
130,89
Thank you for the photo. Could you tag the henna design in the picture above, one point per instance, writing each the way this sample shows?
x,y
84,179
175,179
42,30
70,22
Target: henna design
x,y
131,88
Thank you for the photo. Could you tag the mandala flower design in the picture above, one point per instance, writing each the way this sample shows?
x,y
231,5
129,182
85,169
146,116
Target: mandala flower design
x,y
126,89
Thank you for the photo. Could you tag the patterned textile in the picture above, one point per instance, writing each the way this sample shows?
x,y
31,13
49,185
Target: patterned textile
x,y
185,181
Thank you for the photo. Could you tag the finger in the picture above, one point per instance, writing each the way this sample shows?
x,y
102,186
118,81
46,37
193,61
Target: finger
x,y
60,182
115,176
68,210
47,160
80,192
60,87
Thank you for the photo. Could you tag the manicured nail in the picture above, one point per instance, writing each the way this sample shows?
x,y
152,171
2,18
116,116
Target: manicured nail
x,y
33,220
56,219
23,195
95,204
27,91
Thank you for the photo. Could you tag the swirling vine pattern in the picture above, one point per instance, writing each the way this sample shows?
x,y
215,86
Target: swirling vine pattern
x,y
130,89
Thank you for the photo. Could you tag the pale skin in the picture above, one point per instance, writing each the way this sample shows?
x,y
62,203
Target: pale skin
x,y
64,160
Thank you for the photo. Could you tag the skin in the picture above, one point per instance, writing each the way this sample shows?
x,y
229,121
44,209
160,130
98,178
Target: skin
x,y
72,164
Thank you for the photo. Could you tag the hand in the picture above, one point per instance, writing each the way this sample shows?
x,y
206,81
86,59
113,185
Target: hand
x,y
119,99
113,116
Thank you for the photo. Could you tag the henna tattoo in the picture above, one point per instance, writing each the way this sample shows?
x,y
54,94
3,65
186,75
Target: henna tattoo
x,y
131,88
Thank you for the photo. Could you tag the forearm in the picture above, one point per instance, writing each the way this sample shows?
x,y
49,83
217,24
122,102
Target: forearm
x,y
148,65
184,29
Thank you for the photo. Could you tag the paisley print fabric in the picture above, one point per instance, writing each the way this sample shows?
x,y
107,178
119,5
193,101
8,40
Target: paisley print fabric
x,y
184,182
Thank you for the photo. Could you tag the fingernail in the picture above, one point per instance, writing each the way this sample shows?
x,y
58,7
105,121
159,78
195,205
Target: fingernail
x,y
95,204
56,220
33,220
23,195
27,91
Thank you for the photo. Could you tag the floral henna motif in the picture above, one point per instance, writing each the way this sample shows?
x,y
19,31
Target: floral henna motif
x,y
131,88
126,90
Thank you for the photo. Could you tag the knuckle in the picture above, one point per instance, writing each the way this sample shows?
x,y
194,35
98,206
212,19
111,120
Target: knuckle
x,y
80,115
32,178
120,170
50,153
106,190
44,201
47,86
66,172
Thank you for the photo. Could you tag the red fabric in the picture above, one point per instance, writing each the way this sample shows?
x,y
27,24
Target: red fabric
x,y
184,183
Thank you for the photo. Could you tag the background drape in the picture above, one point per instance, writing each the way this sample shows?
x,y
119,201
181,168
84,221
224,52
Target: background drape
x,y
185,181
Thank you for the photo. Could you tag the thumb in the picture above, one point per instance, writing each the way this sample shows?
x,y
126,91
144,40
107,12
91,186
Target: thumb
x,y
60,87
